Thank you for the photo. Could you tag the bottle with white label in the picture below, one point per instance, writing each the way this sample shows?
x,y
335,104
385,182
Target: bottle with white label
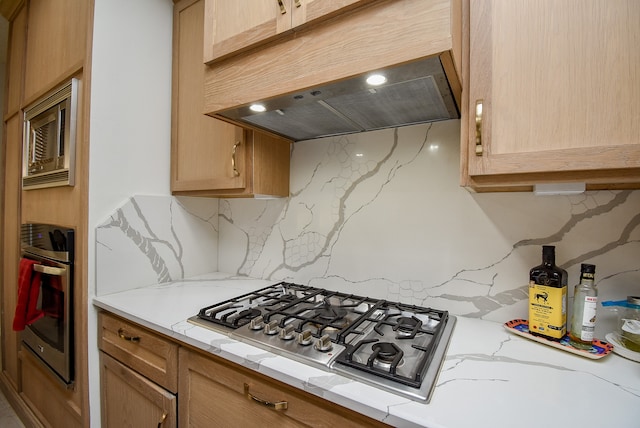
x,y
585,300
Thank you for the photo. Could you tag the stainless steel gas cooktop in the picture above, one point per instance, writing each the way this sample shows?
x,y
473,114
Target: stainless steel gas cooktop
x,y
390,345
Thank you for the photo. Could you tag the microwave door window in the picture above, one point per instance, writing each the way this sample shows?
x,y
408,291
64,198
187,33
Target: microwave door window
x,y
43,131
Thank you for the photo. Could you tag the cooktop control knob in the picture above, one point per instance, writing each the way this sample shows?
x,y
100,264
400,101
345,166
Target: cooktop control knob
x,y
323,344
257,323
286,332
271,328
305,338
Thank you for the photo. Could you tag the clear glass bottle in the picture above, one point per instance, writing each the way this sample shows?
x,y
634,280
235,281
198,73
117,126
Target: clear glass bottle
x,y
585,301
548,297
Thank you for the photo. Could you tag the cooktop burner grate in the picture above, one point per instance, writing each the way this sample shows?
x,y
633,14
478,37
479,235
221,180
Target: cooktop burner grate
x,y
396,346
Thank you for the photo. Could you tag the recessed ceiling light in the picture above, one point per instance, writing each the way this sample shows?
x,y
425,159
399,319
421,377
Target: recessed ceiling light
x,y
376,79
258,108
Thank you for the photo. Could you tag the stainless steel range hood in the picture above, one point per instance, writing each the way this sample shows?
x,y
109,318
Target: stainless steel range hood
x,y
413,93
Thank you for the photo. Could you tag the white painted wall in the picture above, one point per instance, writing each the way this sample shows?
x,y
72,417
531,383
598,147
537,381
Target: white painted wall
x,y
130,124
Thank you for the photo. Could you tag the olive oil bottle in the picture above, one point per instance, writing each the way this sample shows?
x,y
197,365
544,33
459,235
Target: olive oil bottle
x,y
585,300
548,297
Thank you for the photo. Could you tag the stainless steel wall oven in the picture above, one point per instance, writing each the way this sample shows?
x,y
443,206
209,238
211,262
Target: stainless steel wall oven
x,y
48,334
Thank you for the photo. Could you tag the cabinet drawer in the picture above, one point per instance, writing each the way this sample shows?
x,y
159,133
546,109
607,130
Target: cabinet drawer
x,y
140,349
215,392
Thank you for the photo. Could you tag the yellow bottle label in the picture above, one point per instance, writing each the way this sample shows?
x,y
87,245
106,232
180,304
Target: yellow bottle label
x,y
547,310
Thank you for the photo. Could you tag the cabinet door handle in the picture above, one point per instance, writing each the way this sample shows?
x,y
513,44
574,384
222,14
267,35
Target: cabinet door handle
x,y
283,9
126,337
298,3
479,127
279,405
233,159
164,416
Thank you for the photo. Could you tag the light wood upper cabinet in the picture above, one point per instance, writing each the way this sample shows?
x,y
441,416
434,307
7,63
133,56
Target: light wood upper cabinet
x,y
559,84
56,44
15,63
210,157
372,37
234,26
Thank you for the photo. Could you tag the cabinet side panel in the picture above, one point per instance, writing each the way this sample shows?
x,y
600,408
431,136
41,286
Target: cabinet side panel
x,y
11,244
271,165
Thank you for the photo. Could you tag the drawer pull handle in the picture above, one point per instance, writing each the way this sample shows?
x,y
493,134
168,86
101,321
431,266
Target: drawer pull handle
x,y
280,405
233,159
164,416
126,337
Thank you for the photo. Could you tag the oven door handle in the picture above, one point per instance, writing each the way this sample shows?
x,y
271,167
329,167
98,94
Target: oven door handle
x,y
50,270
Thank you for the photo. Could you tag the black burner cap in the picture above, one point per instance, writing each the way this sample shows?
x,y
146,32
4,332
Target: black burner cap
x,y
386,351
407,323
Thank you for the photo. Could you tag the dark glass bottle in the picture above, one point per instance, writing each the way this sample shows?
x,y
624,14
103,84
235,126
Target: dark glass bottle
x,y
548,297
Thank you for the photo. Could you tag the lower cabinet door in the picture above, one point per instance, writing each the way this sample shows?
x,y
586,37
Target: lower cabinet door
x,y
131,400
217,393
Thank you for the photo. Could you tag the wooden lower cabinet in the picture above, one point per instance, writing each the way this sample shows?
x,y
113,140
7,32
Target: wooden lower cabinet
x,y
216,393
48,400
147,353
138,375
212,391
131,400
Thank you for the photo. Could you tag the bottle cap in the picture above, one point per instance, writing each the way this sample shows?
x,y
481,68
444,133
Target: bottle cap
x,y
587,268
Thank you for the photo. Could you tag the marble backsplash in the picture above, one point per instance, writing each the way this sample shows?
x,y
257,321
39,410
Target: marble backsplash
x,y
156,239
381,214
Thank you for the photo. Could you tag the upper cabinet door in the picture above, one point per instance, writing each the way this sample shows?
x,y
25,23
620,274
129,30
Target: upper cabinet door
x,y
15,73
553,91
308,11
206,152
56,44
234,26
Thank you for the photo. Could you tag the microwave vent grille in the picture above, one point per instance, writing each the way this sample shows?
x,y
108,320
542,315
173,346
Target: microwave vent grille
x,y
52,179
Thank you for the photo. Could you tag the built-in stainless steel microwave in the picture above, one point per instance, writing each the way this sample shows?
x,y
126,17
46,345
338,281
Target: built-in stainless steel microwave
x,y
49,139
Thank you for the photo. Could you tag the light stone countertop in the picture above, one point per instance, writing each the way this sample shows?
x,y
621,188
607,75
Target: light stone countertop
x,y
490,377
